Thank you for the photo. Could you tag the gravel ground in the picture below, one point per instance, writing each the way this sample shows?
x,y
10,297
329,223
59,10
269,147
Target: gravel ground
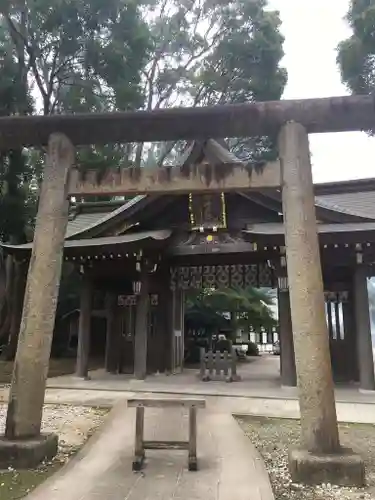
x,y
273,438
73,424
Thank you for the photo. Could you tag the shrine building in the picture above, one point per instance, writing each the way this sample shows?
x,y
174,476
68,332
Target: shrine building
x,y
186,241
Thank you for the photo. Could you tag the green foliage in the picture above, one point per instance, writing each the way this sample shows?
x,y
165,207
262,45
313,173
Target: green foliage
x,y
68,56
14,169
80,55
13,207
356,54
208,52
247,308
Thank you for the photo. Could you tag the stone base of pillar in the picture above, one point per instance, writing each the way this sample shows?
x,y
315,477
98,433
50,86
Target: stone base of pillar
x,y
27,453
343,469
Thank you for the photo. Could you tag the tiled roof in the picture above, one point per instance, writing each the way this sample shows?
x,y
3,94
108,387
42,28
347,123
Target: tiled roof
x,y
215,152
86,220
361,204
275,228
106,241
82,221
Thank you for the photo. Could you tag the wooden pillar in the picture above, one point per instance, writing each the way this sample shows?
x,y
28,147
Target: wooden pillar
x,y
287,359
141,326
177,334
350,336
363,330
168,321
30,371
84,328
112,349
311,342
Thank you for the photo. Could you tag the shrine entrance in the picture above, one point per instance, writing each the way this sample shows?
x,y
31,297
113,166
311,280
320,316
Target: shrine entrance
x,y
302,242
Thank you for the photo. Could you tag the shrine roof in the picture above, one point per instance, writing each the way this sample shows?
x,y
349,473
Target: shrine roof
x,y
107,242
89,216
360,203
215,152
277,228
354,198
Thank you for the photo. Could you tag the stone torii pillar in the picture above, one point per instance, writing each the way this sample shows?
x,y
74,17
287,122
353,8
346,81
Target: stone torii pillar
x,y
321,459
23,444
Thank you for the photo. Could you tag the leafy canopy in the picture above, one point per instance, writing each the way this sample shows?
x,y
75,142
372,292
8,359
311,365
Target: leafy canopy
x,y
356,54
208,52
248,307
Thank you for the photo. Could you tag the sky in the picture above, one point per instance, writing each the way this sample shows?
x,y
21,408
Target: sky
x,y
312,31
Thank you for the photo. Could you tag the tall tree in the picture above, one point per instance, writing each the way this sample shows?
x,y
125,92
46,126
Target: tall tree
x,y
14,175
62,56
80,56
356,54
208,52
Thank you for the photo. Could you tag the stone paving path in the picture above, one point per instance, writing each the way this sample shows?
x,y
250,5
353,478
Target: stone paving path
x,y
260,379
270,407
229,466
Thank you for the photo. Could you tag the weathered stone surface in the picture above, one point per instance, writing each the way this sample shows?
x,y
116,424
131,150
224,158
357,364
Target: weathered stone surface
x,y
38,317
172,180
311,340
344,468
330,114
27,453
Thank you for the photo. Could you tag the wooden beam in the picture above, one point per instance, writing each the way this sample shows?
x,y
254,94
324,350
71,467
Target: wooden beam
x,y
175,180
332,114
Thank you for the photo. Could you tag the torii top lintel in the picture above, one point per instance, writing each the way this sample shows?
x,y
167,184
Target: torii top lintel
x,y
333,114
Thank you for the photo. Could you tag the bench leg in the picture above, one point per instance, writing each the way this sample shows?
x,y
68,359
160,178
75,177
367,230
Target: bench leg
x,y
193,463
139,452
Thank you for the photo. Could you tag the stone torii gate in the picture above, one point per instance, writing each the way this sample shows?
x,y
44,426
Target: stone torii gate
x,y
321,458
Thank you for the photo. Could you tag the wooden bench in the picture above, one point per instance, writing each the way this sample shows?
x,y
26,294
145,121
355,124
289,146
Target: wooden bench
x,y
141,445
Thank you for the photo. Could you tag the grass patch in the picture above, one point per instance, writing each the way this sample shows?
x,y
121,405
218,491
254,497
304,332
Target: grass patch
x,y
17,484
74,425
